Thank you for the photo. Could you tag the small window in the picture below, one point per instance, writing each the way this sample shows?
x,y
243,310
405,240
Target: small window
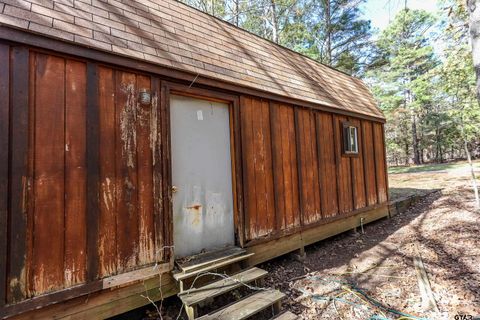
x,y
350,139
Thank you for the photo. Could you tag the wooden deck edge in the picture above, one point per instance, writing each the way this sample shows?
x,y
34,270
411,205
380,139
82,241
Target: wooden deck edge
x,y
275,248
113,301
109,302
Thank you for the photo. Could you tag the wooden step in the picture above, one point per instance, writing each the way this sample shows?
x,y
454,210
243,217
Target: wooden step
x,y
179,276
195,296
248,307
286,316
204,259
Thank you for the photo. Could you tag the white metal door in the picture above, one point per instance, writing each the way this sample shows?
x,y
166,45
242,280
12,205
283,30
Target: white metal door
x,y
201,175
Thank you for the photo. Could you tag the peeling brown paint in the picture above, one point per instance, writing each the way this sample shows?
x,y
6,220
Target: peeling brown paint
x,y
195,207
128,132
18,286
154,126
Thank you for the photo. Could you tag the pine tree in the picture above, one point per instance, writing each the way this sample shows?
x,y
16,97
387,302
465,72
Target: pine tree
x,y
406,55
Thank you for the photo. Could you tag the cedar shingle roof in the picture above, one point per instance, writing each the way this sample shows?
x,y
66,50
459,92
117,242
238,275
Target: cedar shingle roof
x,y
175,35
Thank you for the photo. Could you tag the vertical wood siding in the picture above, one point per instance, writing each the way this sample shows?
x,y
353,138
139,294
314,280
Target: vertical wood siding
x,y
328,173
312,179
256,144
4,145
107,226
49,173
75,172
19,178
308,162
380,162
344,176
369,160
285,166
48,177
84,191
358,173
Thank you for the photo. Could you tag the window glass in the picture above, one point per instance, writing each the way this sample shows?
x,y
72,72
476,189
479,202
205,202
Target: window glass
x,y
350,140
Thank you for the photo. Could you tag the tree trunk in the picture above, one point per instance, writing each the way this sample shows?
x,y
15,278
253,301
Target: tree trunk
x,y
416,150
328,31
474,25
237,12
469,159
274,21
472,172
406,153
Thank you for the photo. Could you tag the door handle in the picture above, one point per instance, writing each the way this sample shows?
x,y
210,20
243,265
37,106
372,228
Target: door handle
x,y
174,189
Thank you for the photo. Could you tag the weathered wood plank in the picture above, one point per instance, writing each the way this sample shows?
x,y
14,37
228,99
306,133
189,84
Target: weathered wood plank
x,y
158,165
81,304
239,169
369,162
30,183
167,156
269,191
107,225
19,101
203,259
385,166
296,122
75,173
358,178
271,249
328,172
277,169
345,194
4,145
126,171
93,171
428,300
49,222
247,307
379,148
285,168
261,166
309,167
146,136
220,264
197,295
248,166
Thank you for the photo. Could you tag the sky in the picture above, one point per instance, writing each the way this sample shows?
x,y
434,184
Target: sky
x,y
380,12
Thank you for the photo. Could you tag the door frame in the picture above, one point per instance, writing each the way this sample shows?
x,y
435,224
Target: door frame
x,y
233,102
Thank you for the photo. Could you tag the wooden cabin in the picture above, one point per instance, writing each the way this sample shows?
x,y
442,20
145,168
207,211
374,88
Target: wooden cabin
x,y
137,132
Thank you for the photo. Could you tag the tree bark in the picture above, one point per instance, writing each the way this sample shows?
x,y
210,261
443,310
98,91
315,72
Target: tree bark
x,y
416,150
474,25
472,170
328,31
237,12
274,21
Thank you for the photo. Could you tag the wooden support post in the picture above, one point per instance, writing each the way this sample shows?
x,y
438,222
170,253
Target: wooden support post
x,y
277,307
299,254
191,311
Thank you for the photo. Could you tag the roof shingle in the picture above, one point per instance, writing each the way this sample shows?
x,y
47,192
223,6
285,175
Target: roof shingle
x,y
173,34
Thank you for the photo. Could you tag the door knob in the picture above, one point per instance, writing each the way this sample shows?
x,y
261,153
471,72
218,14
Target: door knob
x,y
174,189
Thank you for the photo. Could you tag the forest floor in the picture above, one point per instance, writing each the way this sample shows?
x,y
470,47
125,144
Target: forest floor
x,y
372,275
